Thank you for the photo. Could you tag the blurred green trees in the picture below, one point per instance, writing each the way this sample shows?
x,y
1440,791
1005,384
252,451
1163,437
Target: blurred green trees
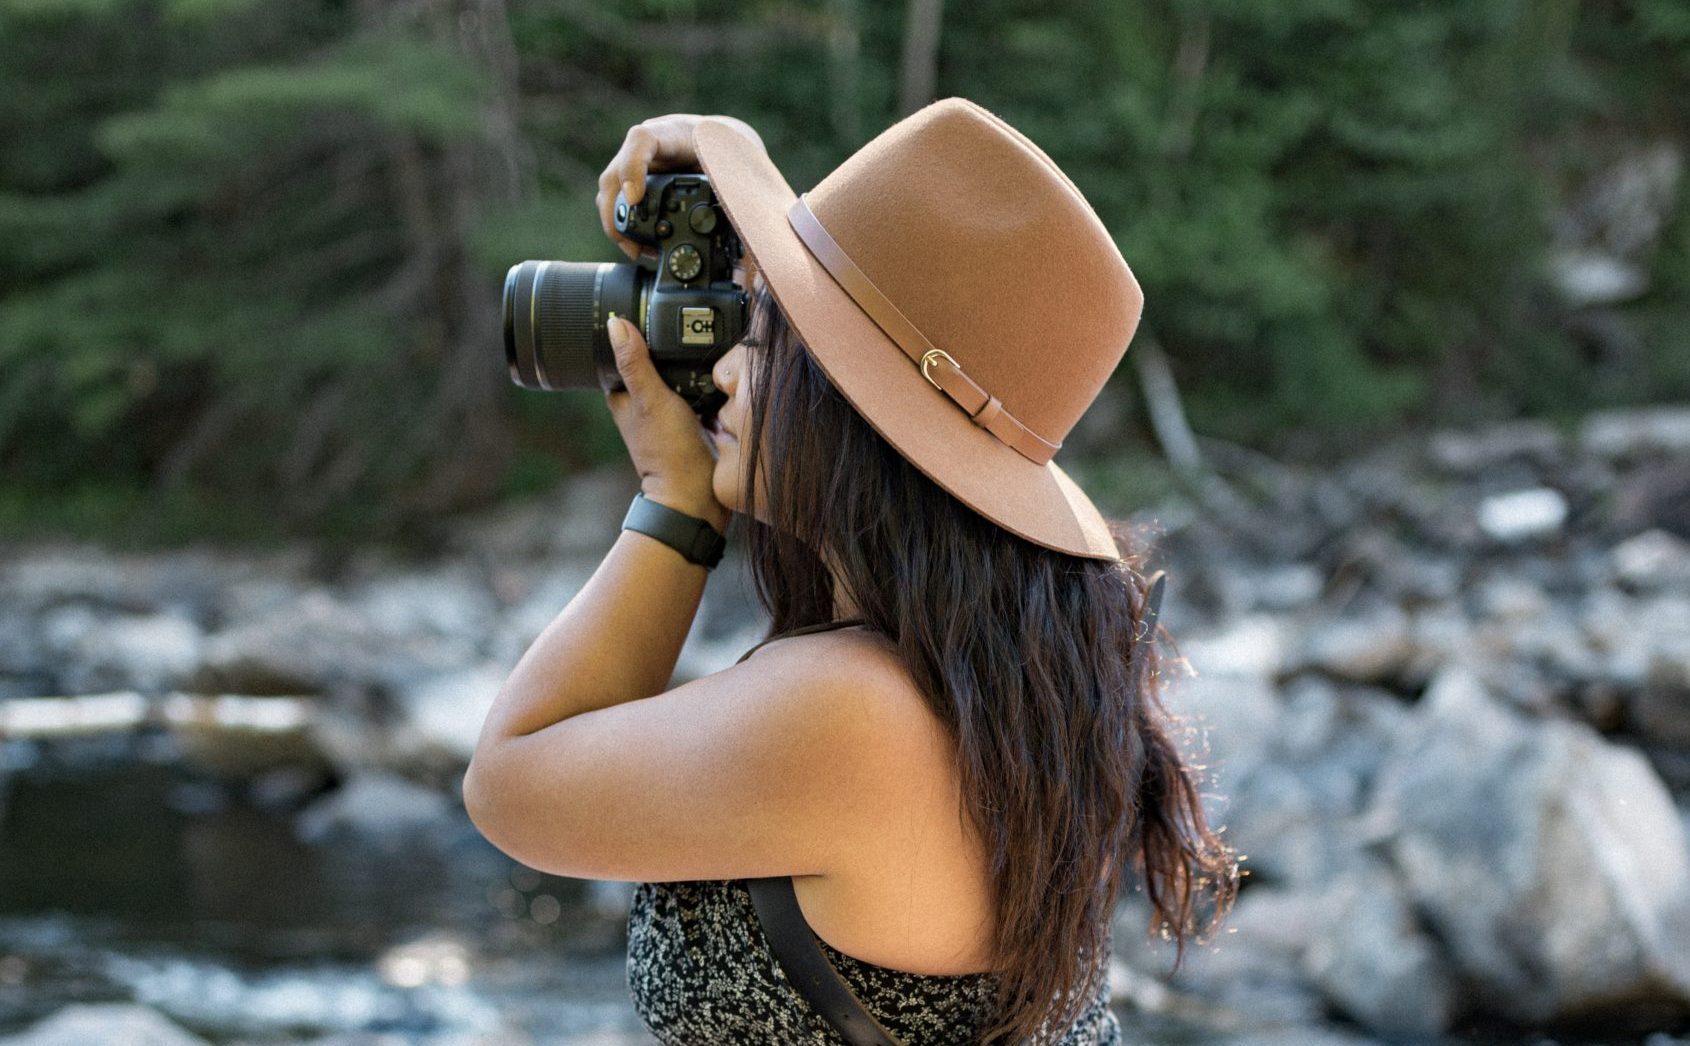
x,y
251,250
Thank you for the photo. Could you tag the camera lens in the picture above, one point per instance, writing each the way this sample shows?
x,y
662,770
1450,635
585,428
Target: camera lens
x,y
554,319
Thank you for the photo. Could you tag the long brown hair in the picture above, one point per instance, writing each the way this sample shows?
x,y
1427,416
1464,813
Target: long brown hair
x,y
1026,654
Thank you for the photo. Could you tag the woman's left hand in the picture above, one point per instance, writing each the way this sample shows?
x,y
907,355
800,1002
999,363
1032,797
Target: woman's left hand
x,y
671,448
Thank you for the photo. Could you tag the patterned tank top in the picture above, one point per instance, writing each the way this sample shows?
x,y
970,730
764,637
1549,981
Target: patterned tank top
x,y
701,973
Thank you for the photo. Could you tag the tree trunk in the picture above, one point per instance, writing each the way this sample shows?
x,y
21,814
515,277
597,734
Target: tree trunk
x,y
844,50
921,54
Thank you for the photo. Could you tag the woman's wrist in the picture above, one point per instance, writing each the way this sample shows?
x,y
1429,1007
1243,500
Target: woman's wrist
x,y
703,505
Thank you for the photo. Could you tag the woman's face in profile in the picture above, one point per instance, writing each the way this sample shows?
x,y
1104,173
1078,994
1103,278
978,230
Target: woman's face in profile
x,y
729,373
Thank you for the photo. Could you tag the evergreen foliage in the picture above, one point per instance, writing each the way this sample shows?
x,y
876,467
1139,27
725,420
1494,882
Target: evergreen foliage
x,y
251,250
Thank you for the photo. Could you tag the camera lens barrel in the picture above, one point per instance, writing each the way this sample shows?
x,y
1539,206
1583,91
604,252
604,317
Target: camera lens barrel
x,y
554,319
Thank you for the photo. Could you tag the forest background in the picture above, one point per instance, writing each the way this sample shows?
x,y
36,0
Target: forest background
x,y
251,251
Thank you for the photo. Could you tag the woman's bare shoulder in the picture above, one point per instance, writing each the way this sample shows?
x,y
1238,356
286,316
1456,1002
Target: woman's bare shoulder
x,y
855,653
872,684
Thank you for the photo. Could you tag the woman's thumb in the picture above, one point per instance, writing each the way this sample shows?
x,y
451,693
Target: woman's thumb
x,y
623,345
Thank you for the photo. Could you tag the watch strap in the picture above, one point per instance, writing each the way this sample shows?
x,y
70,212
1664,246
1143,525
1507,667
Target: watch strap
x,y
693,538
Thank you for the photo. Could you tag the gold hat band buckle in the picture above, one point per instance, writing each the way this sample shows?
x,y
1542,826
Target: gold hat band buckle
x,y
927,357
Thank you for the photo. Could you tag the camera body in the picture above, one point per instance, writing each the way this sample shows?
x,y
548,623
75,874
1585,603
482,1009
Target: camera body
x,y
685,301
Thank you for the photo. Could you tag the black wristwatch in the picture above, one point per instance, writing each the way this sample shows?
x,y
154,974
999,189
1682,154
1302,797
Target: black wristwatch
x,y
692,537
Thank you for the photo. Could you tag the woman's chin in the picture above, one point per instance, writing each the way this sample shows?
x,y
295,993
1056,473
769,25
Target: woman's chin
x,y
728,498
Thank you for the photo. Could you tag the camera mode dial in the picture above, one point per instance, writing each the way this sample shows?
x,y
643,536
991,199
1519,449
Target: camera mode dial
x,y
685,262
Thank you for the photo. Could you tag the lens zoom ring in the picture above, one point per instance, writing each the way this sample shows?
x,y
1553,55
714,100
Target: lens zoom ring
x,y
564,311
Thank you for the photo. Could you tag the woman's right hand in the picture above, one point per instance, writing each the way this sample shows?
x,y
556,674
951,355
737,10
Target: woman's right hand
x,y
662,143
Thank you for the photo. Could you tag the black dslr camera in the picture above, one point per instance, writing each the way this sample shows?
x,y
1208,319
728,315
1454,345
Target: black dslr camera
x,y
685,302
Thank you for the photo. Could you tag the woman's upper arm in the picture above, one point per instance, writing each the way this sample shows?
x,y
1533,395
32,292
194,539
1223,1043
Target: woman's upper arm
x,y
775,766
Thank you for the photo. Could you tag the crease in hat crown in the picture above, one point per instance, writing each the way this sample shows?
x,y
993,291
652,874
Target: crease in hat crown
x,y
977,239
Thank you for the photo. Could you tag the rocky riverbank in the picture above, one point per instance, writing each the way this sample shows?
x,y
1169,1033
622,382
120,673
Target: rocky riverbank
x,y
1446,689
1443,689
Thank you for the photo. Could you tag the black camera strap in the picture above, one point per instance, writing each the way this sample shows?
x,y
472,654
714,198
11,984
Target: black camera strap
x,y
796,949
807,966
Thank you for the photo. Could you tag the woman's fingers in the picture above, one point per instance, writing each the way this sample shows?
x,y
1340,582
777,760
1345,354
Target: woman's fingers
x,y
635,155
660,143
609,182
639,149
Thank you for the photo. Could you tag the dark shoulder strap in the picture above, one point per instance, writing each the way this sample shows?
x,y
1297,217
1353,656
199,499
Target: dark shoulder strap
x,y
806,964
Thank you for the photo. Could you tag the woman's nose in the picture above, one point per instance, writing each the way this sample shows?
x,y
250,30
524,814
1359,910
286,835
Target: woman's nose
x,y
722,372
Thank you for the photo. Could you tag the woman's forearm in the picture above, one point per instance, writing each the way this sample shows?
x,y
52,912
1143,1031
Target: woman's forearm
x,y
617,640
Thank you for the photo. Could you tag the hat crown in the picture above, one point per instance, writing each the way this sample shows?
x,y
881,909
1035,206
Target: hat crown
x,y
981,241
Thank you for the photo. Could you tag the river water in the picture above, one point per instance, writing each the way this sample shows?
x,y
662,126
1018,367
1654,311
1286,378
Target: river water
x,y
141,883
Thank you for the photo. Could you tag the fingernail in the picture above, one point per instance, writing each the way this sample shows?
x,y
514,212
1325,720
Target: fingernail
x,y
617,334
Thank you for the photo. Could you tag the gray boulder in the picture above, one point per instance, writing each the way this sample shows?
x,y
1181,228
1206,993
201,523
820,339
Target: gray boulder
x,y
1247,977
1630,433
1297,817
1521,515
1651,560
1375,646
443,714
1283,586
97,651
1468,453
1661,709
86,1024
374,806
1642,650
1370,957
1551,861
450,604
1224,722
317,644
1249,646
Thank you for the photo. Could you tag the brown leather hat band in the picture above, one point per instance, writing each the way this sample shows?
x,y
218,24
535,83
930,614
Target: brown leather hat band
x,y
936,365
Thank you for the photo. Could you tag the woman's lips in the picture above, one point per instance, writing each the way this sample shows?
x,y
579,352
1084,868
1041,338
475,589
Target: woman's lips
x,y
720,431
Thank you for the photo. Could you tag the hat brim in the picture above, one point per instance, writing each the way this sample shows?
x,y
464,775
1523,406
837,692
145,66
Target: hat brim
x,y
1040,503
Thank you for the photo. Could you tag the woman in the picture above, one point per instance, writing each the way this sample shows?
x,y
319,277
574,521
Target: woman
x,y
949,741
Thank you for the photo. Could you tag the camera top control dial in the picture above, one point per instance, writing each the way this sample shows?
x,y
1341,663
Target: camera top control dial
x,y
685,262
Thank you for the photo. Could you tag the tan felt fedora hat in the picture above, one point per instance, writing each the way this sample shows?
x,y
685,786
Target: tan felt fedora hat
x,y
960,293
